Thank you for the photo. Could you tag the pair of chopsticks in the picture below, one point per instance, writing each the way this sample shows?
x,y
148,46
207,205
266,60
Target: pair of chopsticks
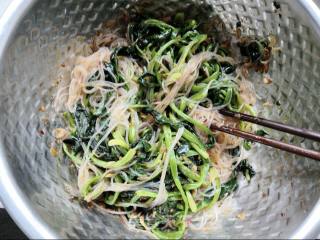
x,y
305,133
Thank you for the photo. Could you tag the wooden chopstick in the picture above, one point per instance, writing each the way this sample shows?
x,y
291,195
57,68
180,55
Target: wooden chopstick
x,y
273,124
269,142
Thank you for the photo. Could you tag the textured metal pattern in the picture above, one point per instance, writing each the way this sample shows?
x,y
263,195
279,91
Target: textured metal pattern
x,y
285,188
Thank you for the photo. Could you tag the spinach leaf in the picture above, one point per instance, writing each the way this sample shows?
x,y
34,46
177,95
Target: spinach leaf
x,y
148,80
246,169
143,144
229,187
224,96
234,152
211,142
168,211
84,122
74,143
254,49
110,72
261,132
251,50
197,160
247,144
160,119
150,33
125,51
227,68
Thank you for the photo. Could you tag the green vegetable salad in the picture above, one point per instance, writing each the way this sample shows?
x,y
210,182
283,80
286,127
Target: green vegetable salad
x,y
138,114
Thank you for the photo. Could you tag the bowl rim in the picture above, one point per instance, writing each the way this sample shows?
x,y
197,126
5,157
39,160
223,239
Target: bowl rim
x,y
13,199
17,203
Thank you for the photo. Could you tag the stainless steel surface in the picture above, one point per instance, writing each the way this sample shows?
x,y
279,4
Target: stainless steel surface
x,y
281,202
3,6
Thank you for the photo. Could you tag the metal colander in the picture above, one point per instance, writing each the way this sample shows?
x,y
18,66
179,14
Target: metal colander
x,y
280,202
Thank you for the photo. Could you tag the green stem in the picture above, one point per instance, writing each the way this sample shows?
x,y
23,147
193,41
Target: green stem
x,y
115,164
171,235
198,87
174,168
188,172
69,118
183,105
118,142
155,163
201,150
203,174
87,185
201,94
212,77
192,204
77,161
196,123
205,204
160,24
159,54
193,140
186,49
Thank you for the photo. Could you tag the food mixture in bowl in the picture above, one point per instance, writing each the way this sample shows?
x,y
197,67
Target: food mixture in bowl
x,y
138,111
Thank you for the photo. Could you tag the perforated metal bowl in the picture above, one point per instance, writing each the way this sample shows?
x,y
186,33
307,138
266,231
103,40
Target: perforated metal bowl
x,y
283,199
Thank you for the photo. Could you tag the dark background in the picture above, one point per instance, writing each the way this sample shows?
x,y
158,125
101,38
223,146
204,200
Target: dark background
x,y
8,229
